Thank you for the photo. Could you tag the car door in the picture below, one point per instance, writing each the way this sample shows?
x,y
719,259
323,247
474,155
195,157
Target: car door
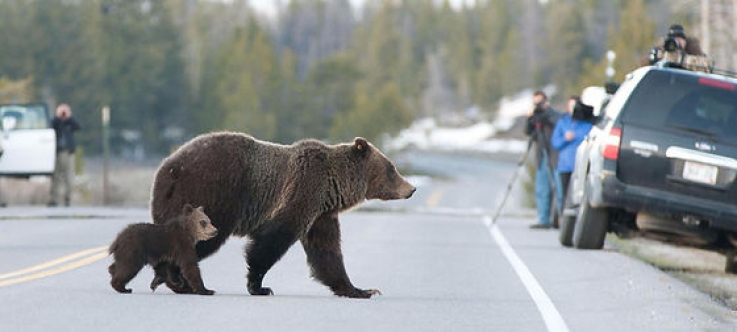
x,y
27,140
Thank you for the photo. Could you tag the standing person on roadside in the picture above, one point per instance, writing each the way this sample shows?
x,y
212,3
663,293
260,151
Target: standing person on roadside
x,y
64,125
568,134
541,121
690,45
676,38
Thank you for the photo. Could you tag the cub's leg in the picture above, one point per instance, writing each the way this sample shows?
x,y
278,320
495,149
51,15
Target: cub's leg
x,y
122,272
191,272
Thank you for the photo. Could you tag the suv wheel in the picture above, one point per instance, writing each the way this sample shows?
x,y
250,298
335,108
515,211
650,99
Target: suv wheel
x,y
591,224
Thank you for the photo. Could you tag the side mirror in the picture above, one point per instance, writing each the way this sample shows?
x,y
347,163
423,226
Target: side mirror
x,y
611,87
9,123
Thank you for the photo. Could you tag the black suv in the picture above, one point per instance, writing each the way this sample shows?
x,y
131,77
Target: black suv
x,y
661,160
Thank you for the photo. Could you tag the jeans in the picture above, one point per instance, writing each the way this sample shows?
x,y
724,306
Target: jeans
x,y
543,192
565,179
63,180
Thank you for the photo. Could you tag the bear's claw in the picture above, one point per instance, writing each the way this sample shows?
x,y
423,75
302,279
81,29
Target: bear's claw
x,y
158,280
120,287
357,293
373,292
206,292
260,291
124,290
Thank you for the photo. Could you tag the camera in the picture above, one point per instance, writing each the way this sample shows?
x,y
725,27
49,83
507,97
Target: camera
x,y
583,112
671,50
539,107
671,44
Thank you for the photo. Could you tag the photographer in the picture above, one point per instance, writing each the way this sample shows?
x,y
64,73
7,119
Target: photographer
x,y
676,41
64,125
568,134
541,121
689,45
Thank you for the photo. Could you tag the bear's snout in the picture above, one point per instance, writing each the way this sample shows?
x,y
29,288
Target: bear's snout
x,y
411,192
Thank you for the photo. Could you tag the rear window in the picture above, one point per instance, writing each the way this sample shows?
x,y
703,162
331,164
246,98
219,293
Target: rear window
x,y
684,102
26,116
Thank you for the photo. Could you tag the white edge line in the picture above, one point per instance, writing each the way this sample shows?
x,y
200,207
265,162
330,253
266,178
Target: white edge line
x,y
553,320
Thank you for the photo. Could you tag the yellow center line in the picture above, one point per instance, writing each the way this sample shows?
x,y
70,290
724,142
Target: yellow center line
x,y
97,254
57,270
52,262
434,198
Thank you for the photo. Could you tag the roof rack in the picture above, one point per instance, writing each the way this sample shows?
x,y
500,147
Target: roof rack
x,y
724,72
700,63
691,62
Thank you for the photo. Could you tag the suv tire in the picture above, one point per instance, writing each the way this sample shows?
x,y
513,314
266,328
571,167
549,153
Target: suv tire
x,y
591,224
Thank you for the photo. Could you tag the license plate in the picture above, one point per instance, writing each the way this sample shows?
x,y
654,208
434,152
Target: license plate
x,y
700,173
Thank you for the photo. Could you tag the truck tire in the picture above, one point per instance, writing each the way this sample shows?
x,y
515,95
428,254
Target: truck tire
x,y
591,224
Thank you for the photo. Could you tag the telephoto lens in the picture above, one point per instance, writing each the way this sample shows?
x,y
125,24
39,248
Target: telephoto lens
x,y
670,44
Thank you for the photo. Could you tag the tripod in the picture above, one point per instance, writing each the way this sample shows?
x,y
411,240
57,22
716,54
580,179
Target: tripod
x,y
539,138
542,143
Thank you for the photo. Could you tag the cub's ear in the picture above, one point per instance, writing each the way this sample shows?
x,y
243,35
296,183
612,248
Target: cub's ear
x,y
360,145
187,209
201,209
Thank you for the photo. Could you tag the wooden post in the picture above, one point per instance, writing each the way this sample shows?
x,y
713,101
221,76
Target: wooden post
x,y
106,154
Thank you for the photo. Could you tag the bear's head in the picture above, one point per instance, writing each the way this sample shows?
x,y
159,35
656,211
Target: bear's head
x,y
384,181
198,223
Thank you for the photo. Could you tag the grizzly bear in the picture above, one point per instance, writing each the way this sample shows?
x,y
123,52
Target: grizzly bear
x,y
172,242
274,194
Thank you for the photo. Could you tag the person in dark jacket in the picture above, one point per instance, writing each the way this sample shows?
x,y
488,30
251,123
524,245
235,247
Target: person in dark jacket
x,y
64,125
689,45
683,44
569,132
541,121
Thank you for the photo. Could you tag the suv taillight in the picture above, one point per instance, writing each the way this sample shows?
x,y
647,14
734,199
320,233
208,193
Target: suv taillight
x,y
611,144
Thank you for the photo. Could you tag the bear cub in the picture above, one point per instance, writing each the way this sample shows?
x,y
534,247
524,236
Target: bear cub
x,y
172,242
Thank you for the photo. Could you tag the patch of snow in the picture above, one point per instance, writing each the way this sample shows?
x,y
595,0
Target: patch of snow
x,y
418,180
426,134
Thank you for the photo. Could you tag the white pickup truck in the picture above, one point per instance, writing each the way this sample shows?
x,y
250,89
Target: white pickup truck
x,y
27,140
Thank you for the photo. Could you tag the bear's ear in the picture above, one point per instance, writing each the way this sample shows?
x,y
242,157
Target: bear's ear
x,y
201,209
361,145
187,209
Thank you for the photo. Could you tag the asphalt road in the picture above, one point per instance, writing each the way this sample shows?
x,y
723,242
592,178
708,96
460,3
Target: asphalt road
x,y
439,263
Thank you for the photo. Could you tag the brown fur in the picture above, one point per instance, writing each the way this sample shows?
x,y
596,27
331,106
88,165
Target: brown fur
x,y
276,195
172,242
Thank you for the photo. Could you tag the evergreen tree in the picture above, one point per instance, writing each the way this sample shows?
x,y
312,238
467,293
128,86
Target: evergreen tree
x,y
633,40
565,46
20,91
238,84
314,72
373,116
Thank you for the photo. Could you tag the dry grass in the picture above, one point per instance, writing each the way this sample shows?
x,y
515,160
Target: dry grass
x,y
130,185
701,269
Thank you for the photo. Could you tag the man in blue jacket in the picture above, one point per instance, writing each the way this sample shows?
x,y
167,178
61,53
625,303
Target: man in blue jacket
x,y
569,132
